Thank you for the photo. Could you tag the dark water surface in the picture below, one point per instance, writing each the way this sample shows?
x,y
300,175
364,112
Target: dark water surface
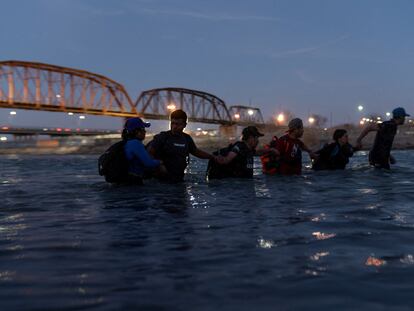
x,y
332,241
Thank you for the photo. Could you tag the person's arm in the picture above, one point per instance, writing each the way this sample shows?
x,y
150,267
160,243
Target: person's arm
x,y
145,158
154,146
312,154
369,128
226,159
202,154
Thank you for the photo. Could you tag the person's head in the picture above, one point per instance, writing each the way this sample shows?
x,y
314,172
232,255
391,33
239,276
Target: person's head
x,y
250,135
178,121
296,128
399,114
135,128
340,136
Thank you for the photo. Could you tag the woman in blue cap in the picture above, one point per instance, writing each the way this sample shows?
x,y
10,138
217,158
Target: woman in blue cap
x,y
380,154
138,158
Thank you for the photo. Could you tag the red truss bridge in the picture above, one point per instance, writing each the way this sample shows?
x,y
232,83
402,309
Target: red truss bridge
x,y
44,87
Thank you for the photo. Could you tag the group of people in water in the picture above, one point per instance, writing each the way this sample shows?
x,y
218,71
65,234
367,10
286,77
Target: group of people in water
x,y
167,155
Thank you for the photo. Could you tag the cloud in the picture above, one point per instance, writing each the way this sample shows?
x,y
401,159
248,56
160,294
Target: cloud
x,y
310,49
212,17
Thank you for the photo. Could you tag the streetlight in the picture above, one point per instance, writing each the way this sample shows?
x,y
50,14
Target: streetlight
x,y
171,106
311,120
237,116
250,112
11,115
360,108
80,119
280,118
388,114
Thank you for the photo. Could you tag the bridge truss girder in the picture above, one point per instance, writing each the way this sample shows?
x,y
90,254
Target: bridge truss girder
x,y
199,106
244,115
38,86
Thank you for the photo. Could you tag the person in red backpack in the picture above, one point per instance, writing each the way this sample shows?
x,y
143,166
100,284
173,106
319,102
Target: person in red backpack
x,y
288,149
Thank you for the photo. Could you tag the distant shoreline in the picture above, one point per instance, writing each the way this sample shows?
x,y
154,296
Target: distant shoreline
x,y
315,138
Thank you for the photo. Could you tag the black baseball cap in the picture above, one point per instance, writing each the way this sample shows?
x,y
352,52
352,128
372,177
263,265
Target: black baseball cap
x,y
251,131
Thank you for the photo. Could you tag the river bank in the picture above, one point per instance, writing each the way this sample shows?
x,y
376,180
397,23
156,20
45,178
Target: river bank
x,y
315,138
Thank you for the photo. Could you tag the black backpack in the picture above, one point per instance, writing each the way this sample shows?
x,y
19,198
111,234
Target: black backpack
x,y
113,164
218,171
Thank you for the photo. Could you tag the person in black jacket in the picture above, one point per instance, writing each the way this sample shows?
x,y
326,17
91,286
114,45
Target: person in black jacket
x,y
380,154
334,156
238,158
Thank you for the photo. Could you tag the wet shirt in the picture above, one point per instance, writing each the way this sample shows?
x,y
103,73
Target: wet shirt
x,y
290,150
242,164
173,150
138,157
333,157
380,152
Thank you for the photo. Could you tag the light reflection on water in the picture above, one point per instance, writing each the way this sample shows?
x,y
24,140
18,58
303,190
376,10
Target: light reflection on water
x,y
70,241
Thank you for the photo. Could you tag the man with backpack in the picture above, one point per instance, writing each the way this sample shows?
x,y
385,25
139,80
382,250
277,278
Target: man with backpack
x,y
237,159
173,147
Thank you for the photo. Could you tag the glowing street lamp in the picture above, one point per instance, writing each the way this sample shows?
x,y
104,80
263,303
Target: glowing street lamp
x,y
171,106
70,113
388,114
280,118
82,117
311,120
13,113
250,112
360,108
237,116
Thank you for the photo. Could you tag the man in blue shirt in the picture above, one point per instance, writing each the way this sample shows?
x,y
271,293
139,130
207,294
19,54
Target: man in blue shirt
x,y
138,158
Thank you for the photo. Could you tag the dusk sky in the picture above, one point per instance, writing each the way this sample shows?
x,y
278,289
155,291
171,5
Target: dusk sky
x,y
308,56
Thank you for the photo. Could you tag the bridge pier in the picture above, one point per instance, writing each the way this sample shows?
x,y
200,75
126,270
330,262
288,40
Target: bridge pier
x,y
228,130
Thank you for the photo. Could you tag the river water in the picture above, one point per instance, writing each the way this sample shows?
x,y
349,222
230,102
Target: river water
x,y
324,240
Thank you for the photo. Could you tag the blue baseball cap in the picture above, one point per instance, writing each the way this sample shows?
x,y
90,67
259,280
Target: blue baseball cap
x,y
136,123
399,112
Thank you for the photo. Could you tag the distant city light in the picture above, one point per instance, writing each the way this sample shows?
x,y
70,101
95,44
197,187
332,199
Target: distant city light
x,y
171,107
388,114
58,96
378,118
250,112
70,113
13,113
82,117
237,116
3,138
360,107
280,118
362,122
325,129
311,120
199,129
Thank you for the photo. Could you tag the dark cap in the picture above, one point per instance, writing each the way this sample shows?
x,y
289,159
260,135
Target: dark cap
x,y
295,123
136,123
399,113
251,131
